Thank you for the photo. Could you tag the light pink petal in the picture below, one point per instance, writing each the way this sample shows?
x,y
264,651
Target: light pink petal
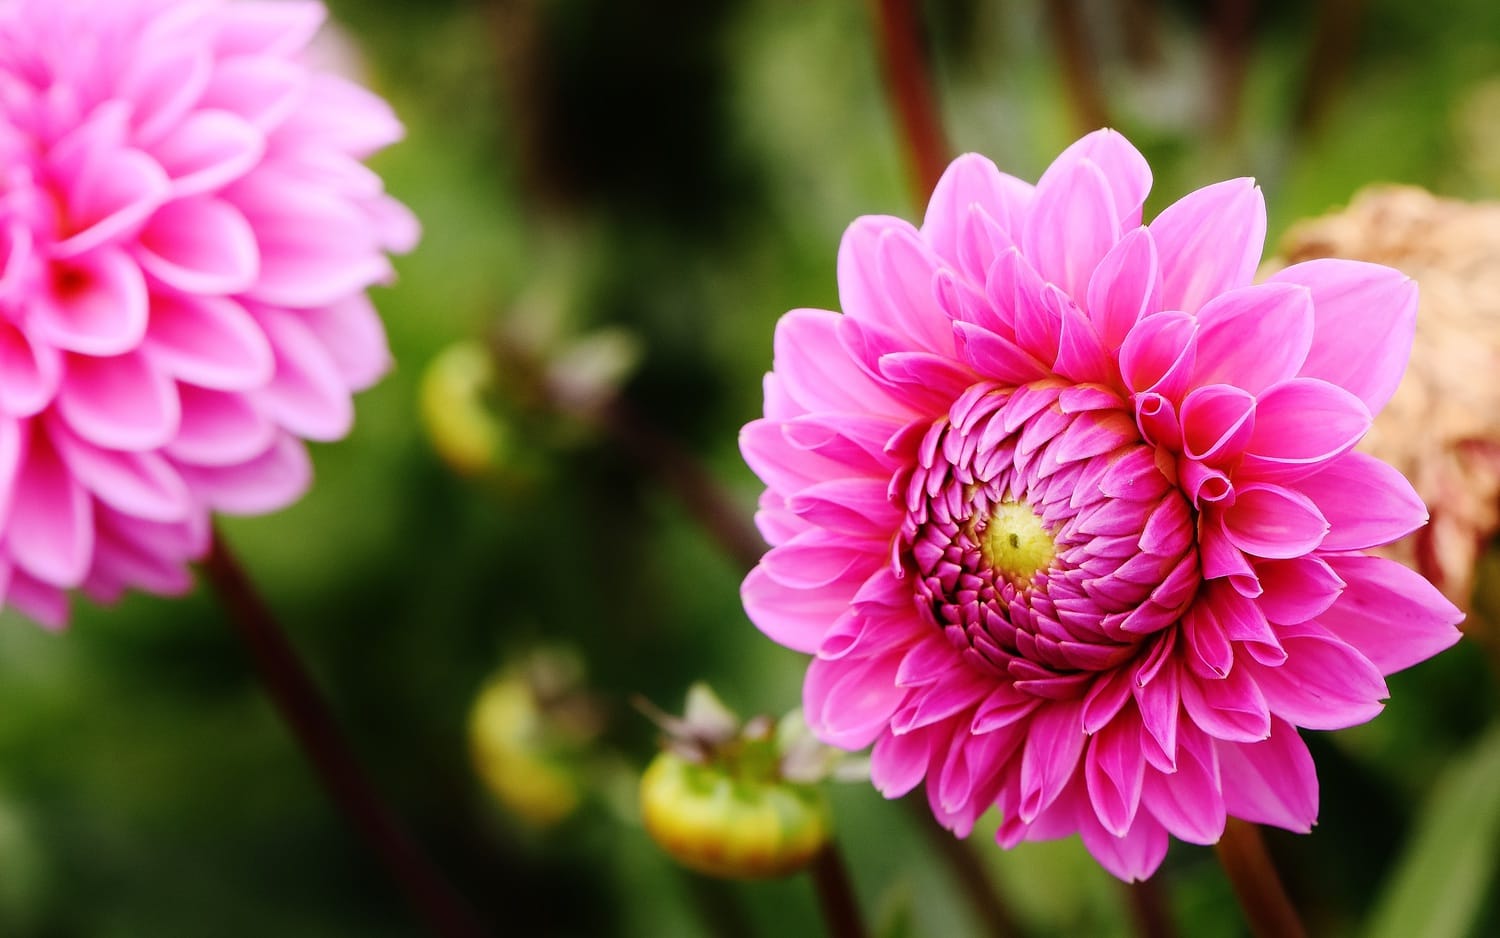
x,y
1073,223
849,703
817,558
994,356
885,275
266,27
1189,802
31,373
784,467
338,114
307,395
796,618
263,91
1127,172
50,534
162,86
219,428
200,246
354,338
109,201
1209,241
1254,337
1390,614
1271,782
1125,287
1367,503
267,483
1365,318
862,507
94,305
816,370
15,436
972,181
1324,684
1054,743
1274,522
1300,425
119,403
208,341
208,150
143,485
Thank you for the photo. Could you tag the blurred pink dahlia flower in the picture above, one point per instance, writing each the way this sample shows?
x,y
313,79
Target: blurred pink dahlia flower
x,y
186,237
1067,510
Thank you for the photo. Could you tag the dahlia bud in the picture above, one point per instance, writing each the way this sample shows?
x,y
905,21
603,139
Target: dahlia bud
x,y
467,434
737,800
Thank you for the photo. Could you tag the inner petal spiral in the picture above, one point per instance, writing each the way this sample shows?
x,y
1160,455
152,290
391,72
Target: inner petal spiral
x,y
1042,537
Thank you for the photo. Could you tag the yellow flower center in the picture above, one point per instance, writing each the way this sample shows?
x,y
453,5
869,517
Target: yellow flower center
x,y
1015,543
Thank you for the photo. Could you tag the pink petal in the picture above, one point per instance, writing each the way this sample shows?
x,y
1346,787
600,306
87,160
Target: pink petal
x,y
1127,172
50,534
109,200
208,341
353,337
1124,287
1324,684
1274,522
1209,242
307,394
1054,742
1189,803
208,150
970,182
163,87
1390,614
1217,422
1365,318
219,429
1072,224
1228,708
119,402
898,763
260,27
848,703
143,485
14,440
94,305
862,507
885,278
201,246
1367,503
995,357
1300,425
1114,770
32,373
267,483
1271,782
263,91
1296,589
1254,337
1131,858
796,618
338,114
1158,354
817,372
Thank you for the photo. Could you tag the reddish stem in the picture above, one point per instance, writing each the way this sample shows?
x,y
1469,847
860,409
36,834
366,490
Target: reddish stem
x,y
909,84
306,714
1243,855
836,895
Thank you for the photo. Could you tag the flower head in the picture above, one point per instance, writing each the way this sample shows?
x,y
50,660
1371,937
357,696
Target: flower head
x,y
186,237
1067,509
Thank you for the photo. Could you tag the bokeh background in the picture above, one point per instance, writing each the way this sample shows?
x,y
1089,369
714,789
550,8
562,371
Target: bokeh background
x,y
625,196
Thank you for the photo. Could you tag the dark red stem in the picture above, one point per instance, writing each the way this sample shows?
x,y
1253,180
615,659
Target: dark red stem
x,y
1243,855
909,83
835,895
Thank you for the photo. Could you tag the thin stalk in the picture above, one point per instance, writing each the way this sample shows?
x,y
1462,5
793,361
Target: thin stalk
x,y
1079,65
1243,855
1148,909
297,700
968,870
836,895
908,80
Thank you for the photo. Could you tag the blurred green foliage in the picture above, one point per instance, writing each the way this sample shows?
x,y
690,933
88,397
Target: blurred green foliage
x,y
681,169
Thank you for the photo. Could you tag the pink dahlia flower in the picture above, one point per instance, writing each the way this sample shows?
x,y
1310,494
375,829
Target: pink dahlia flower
x,y
1066,508
186,237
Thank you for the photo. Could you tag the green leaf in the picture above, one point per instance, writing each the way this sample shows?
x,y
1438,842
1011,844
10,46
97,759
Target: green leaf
x,y
1440,884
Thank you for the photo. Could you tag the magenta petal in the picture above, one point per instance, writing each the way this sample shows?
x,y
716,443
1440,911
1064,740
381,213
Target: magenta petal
x,y
96,305
1271,782
1296,589
1131,858
110,200
796,618
885,275
1158,354
1300,425
973,181
817,558
1217,422
1324,684
1124,287
1390,614
1114,770
208,341
50,534
263,91
1189,802
1209,242
201,246
15,436
1365,318
263,27
119,402
994,356
1255,336
1367,503
1274,522
818,373
1054,742
1229,708
1128,174
848,703
31,371
862,507
898,763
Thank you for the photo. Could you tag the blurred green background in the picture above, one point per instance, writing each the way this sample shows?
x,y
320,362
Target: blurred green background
x,y
680,171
